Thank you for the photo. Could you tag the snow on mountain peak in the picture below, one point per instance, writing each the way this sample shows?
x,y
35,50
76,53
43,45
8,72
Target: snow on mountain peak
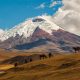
x,y
27,28
46,24
1,31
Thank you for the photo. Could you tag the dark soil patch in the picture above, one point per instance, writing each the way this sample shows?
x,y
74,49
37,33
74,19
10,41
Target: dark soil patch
x,y
40,66
67,64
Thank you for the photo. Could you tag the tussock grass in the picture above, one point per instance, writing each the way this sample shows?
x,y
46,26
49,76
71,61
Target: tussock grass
x,y
6,66
58,67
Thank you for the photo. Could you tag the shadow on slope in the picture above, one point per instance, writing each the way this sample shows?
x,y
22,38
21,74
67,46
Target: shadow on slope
x,y
31,45
70,63
21,59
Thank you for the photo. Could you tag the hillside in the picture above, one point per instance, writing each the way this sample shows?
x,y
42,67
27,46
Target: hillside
x,y
59,67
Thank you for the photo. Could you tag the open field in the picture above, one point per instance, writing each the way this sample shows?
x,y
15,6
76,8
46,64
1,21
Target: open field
x,y
6,66
7,54
58,67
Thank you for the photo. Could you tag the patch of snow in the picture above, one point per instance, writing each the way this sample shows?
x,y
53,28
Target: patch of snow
x,y
28,27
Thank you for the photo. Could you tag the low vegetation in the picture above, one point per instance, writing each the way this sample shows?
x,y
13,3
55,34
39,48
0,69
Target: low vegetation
x,y
57,67
6,66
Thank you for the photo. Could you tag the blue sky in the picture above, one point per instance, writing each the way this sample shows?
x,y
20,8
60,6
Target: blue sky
x,y
13,12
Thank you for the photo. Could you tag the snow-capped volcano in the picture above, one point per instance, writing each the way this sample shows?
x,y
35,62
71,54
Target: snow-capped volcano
x,y
28,27
38,33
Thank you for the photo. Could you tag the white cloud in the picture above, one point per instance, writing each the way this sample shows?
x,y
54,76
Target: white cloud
x,y
41,6
53,3
68,17
72,4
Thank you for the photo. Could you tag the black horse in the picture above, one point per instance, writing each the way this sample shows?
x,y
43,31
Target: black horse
x,y
76,49
50,54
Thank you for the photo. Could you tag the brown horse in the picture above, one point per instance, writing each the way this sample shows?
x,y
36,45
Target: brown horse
x,y
43,56
76,49
15,64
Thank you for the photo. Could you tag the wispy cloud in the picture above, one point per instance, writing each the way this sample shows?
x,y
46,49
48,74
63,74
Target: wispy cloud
x,y
41,6
53,3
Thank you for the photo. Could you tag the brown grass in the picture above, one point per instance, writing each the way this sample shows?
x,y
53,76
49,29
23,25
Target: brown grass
x,y
59,67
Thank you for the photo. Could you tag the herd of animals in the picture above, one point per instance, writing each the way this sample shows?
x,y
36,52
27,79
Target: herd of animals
x,y
76,49
43,56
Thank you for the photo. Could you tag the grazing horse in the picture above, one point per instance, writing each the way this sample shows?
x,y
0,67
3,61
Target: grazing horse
x,y
43,56
30,59
76,49
50,55
15,64
25,61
